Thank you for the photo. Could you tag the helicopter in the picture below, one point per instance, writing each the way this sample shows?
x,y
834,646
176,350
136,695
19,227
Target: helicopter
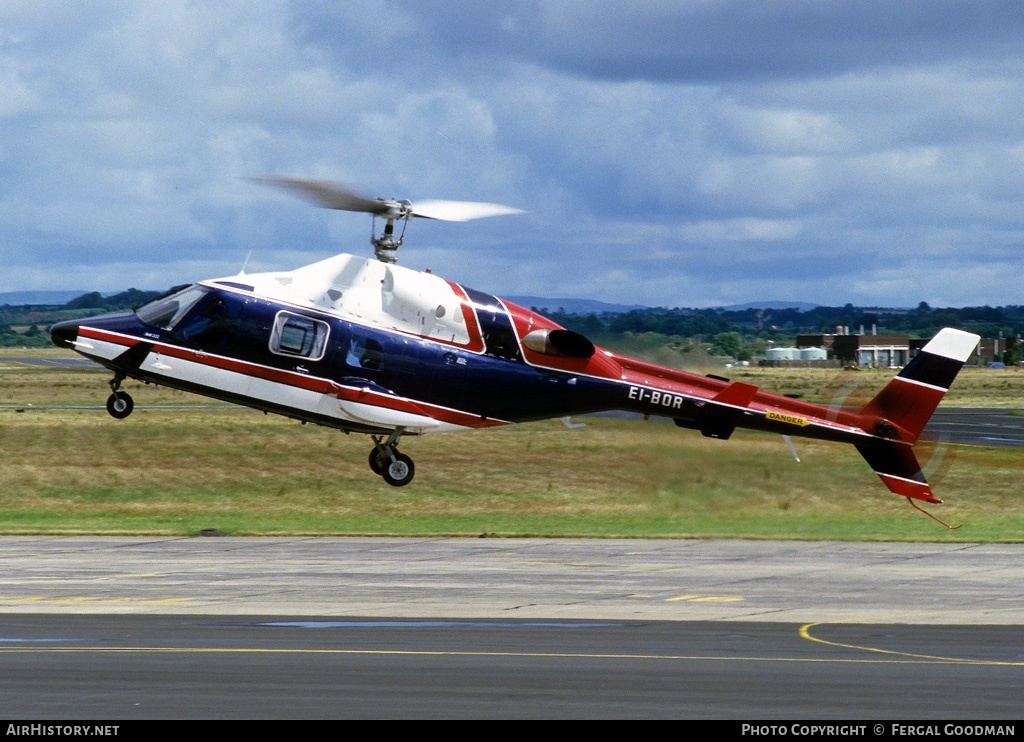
x,y
367,346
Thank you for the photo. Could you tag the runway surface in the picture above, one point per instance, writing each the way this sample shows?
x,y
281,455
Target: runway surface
x,y
143,628
666,580
978,426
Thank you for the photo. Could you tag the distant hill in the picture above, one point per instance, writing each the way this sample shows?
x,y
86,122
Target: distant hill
x,y
589,306
24,298
803,306
573,306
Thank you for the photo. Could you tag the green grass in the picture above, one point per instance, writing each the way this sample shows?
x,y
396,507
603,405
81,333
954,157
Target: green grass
x,y
181,471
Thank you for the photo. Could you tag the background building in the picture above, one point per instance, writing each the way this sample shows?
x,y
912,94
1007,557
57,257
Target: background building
x,y
874,351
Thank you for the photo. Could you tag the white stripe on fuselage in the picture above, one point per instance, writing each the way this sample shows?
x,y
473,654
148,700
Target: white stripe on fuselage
x,y
288,395
278,393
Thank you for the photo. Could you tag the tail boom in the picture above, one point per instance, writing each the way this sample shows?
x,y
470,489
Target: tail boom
x,y
883,431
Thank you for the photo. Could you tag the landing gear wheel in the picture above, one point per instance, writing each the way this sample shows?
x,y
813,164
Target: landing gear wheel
x,y
376,466
399,472
120,405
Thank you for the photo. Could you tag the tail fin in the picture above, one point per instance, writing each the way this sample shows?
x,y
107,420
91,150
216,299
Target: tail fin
x,y
902,409
899,412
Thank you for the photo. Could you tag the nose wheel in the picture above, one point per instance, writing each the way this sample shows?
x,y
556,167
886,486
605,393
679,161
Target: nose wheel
x,y
396,468
119,404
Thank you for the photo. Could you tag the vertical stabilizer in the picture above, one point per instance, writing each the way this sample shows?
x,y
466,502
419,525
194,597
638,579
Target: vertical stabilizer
x,y
902,409
899,412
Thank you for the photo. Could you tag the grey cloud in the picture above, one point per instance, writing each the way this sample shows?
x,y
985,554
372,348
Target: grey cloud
x,y
703,42
676,153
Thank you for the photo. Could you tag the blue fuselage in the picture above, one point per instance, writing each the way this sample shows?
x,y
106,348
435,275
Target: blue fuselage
x,y
234,332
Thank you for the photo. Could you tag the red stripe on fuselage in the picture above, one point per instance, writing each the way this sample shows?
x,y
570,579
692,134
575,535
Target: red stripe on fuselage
x,y
316,384
128,341
476,337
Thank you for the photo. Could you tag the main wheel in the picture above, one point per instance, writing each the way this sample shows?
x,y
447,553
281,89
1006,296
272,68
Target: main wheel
x,y
399,472
375,462
120,405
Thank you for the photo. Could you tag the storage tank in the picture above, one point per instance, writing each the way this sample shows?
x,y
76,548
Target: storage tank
x,y
813,354
781,354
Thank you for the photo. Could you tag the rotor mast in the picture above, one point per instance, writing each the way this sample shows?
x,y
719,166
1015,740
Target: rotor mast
x,y
385,247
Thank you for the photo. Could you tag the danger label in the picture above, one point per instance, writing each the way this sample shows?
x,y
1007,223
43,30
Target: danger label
x,y
788,419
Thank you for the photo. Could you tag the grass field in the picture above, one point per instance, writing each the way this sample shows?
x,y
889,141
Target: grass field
x,y
181,464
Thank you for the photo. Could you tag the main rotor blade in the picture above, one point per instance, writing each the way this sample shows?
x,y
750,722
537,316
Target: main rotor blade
x,y
327,194
332,195
460,211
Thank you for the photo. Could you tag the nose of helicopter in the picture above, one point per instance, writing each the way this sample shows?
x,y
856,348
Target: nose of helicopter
x,y
63,334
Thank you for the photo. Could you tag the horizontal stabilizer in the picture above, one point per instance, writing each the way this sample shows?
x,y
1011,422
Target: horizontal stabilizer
x,y
719,417
737,393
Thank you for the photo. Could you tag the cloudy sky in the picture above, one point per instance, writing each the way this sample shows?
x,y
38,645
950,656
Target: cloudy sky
x,y
691,153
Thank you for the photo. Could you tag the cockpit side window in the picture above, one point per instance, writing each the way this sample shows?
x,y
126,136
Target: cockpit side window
x,y
298,335
496,325
214,323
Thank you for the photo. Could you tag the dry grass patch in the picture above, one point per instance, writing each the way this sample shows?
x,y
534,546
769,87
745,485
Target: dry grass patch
x,y
169,470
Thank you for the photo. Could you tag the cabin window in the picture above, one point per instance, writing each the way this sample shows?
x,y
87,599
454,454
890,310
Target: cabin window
x,y
298,335
364,352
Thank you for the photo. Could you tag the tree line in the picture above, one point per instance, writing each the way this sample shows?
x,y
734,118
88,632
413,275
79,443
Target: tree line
x,y
737,333
28,325
746,333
